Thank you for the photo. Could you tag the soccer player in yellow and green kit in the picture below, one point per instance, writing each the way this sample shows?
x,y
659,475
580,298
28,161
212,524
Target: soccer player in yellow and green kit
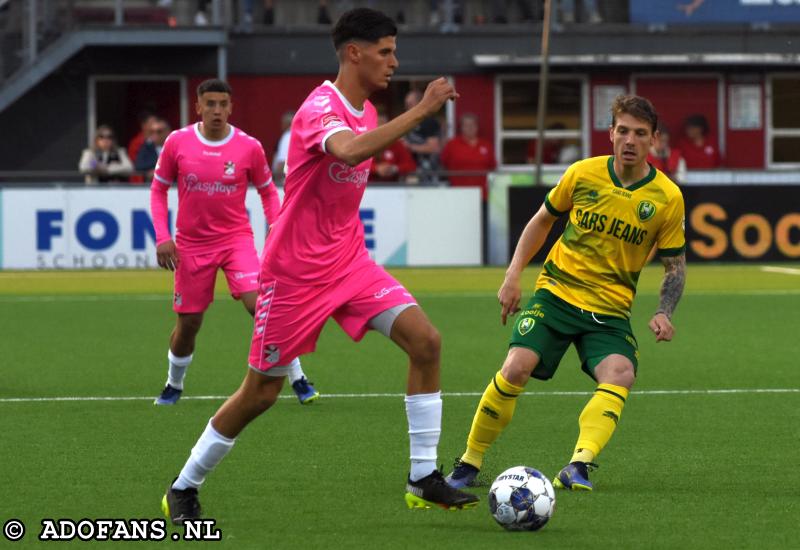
x,y
619,207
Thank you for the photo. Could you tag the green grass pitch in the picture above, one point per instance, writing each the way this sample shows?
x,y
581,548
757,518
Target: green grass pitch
x,y
689,466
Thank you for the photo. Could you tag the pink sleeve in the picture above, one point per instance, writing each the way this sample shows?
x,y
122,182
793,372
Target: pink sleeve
x,y
159,211
163,177
315,126
262,179
166,170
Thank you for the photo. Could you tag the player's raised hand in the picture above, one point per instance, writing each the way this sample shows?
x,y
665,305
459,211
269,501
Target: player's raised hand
x,y
167,255
437,92
509,296
662,327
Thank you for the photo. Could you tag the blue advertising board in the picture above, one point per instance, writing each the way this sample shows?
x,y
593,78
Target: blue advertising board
x,y
715,11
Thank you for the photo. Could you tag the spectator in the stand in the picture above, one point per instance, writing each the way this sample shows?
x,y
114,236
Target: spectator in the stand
x,y
105,162
697,147
568,12
438,12
469,152
279,160
554,150
203,16
550,151
147,158
269,12
528,11
323,13
145,118
424,141
393,163
667,159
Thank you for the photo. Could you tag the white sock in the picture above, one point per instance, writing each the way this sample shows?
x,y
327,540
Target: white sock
x,y
209,450
424,412
297,371
177,369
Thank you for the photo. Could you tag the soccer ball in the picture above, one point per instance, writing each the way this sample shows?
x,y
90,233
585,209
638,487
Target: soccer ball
x,y
522,499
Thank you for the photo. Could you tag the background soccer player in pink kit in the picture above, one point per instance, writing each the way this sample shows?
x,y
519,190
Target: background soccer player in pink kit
x,y
316,266
212,162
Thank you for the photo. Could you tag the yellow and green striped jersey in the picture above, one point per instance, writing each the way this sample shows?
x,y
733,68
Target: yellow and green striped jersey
x,y
595,265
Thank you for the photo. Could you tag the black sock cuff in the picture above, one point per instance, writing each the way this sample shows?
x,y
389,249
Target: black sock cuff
x,y
501,392
615,394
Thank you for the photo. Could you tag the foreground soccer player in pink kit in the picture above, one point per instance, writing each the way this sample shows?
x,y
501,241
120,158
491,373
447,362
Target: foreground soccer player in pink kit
x,y
212,163
316,266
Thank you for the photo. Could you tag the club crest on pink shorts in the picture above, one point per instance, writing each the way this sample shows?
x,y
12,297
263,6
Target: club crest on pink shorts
x,y
272,354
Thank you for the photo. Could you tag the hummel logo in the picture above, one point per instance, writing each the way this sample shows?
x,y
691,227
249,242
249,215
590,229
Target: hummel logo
x,y
612,415
490,412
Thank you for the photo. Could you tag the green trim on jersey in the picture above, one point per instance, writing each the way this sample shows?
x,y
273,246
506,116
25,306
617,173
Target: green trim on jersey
x,y
552,209
633,187
610,230
667,252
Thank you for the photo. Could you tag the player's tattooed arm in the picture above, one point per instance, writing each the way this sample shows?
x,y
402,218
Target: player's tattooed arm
x,y
672,285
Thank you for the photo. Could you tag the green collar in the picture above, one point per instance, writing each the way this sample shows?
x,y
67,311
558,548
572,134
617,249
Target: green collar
x,y
633,187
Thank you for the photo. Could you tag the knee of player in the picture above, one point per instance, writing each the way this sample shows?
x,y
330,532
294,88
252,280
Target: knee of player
x,y
427,345
519,364
617,370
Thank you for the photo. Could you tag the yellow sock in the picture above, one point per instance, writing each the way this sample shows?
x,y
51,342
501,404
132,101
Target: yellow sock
x,y
598,421
494,412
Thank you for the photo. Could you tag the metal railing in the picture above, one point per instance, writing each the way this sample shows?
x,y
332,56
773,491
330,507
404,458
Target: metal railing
x,y
27,27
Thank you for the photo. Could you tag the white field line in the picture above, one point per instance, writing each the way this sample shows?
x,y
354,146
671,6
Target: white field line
x,y
88,298
167,297
784,270
727,391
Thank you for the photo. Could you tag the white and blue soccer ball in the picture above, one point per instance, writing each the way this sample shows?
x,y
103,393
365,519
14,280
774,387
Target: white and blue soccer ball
x,y
522,499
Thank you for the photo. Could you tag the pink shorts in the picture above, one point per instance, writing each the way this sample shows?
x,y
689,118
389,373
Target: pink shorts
x,y
289,318
196,274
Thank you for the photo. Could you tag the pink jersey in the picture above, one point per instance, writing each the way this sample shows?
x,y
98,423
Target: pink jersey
x,y
319,236
212,179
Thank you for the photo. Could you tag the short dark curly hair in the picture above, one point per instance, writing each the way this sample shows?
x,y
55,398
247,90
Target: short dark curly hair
x,y
214,85
362,24
698,121
636,106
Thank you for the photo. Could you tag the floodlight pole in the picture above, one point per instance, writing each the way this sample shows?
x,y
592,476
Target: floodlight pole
x,y
32,19
543,74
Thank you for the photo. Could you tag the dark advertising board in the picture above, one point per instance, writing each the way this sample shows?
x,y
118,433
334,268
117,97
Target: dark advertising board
x,y
742,223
